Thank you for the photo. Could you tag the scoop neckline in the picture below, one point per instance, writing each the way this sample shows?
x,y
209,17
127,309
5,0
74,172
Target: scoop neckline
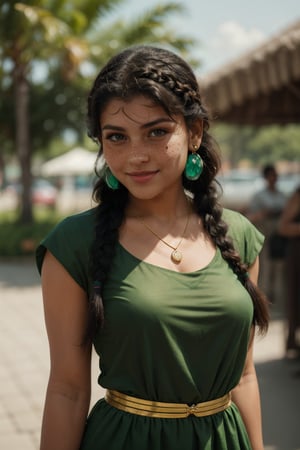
x,y
154,266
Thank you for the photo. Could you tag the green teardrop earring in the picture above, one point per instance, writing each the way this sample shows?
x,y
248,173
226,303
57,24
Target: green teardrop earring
x,y
111,180
194,165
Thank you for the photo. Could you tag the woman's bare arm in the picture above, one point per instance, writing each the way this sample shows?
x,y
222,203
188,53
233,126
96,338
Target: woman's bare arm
x,y
287,226
68,392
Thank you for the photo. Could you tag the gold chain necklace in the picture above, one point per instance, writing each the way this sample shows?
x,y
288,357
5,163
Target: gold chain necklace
x,y
176,255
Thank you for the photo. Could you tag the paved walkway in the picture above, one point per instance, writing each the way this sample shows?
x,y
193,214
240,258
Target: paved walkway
x,y
25,363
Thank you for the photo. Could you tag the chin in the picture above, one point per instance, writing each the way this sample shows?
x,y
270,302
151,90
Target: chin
x,y
144,194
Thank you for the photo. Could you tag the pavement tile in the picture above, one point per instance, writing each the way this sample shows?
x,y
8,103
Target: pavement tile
x,y
17,442
10,387
26,421
13,403
7,426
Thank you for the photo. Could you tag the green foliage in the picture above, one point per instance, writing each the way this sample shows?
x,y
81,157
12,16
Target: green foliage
x,y
274,143
149,27
18,239
259,145
233,141
61,37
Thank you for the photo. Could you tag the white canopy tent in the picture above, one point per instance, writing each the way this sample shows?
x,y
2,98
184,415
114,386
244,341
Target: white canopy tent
x,y
68,167
77,161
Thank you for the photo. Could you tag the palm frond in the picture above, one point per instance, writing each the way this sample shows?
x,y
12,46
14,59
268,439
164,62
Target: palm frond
x,y
157,13
39,17
80,15
148,28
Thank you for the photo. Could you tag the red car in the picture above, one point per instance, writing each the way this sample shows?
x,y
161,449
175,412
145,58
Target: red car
x,y
43,192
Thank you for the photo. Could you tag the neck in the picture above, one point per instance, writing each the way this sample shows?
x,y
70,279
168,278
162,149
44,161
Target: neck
x,y
164,211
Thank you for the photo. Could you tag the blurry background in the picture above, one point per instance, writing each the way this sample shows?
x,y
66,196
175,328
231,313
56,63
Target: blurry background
x,y
247,58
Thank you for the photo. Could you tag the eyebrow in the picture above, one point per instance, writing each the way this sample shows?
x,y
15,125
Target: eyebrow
x,y
145,125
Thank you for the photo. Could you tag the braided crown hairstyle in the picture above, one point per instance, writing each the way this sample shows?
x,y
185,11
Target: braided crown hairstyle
x,y
169,81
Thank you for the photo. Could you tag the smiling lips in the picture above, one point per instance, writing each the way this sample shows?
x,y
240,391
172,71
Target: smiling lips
x,y
142,177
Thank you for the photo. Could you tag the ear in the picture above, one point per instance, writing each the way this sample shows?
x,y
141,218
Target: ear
x,y
195,133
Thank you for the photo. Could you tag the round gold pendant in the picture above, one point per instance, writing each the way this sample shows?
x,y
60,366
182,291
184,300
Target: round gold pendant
x,y
176,256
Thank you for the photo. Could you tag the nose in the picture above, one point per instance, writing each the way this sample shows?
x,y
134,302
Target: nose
x,y
138,154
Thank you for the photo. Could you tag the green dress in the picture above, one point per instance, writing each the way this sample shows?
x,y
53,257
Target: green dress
x,y
168,336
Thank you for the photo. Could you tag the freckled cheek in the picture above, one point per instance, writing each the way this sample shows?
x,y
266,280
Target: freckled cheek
x,y
113,160
176,153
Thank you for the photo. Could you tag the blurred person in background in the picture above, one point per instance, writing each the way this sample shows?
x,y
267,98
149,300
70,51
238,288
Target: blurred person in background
x,y
264,211
289,226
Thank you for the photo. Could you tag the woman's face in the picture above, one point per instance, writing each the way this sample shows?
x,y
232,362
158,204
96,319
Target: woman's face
x,y
145,149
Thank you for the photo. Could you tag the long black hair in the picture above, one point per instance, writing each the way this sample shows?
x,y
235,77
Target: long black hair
x,y
170,82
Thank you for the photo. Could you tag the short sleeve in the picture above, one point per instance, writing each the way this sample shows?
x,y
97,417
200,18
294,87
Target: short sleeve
x,y
247,239
70,243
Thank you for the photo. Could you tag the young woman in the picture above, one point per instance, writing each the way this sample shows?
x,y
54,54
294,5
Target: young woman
x,y
158,277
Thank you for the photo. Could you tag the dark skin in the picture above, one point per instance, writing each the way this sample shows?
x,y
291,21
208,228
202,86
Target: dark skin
x,y
287,224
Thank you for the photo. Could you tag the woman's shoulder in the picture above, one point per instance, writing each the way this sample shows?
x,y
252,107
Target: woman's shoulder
x,y
236,221
70,241
246,238
77,222
74,231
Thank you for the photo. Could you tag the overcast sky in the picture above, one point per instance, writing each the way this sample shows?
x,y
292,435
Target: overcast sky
x,y
224,28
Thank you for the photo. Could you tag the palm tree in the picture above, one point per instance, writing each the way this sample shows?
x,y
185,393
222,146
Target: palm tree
x,y
63,35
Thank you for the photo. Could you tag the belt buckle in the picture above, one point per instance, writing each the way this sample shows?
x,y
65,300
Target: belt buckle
x,y
192,409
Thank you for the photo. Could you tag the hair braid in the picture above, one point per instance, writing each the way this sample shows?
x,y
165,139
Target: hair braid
x,y
169,81
110,215
173,84
207,206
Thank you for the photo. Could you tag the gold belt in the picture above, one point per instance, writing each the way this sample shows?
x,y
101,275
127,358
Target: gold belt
x,y
164,410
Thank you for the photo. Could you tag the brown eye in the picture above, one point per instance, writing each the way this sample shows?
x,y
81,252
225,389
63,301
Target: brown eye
x,y
158,132
115,137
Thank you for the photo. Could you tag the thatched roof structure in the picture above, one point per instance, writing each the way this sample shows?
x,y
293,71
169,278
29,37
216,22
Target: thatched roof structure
x,y
262,87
